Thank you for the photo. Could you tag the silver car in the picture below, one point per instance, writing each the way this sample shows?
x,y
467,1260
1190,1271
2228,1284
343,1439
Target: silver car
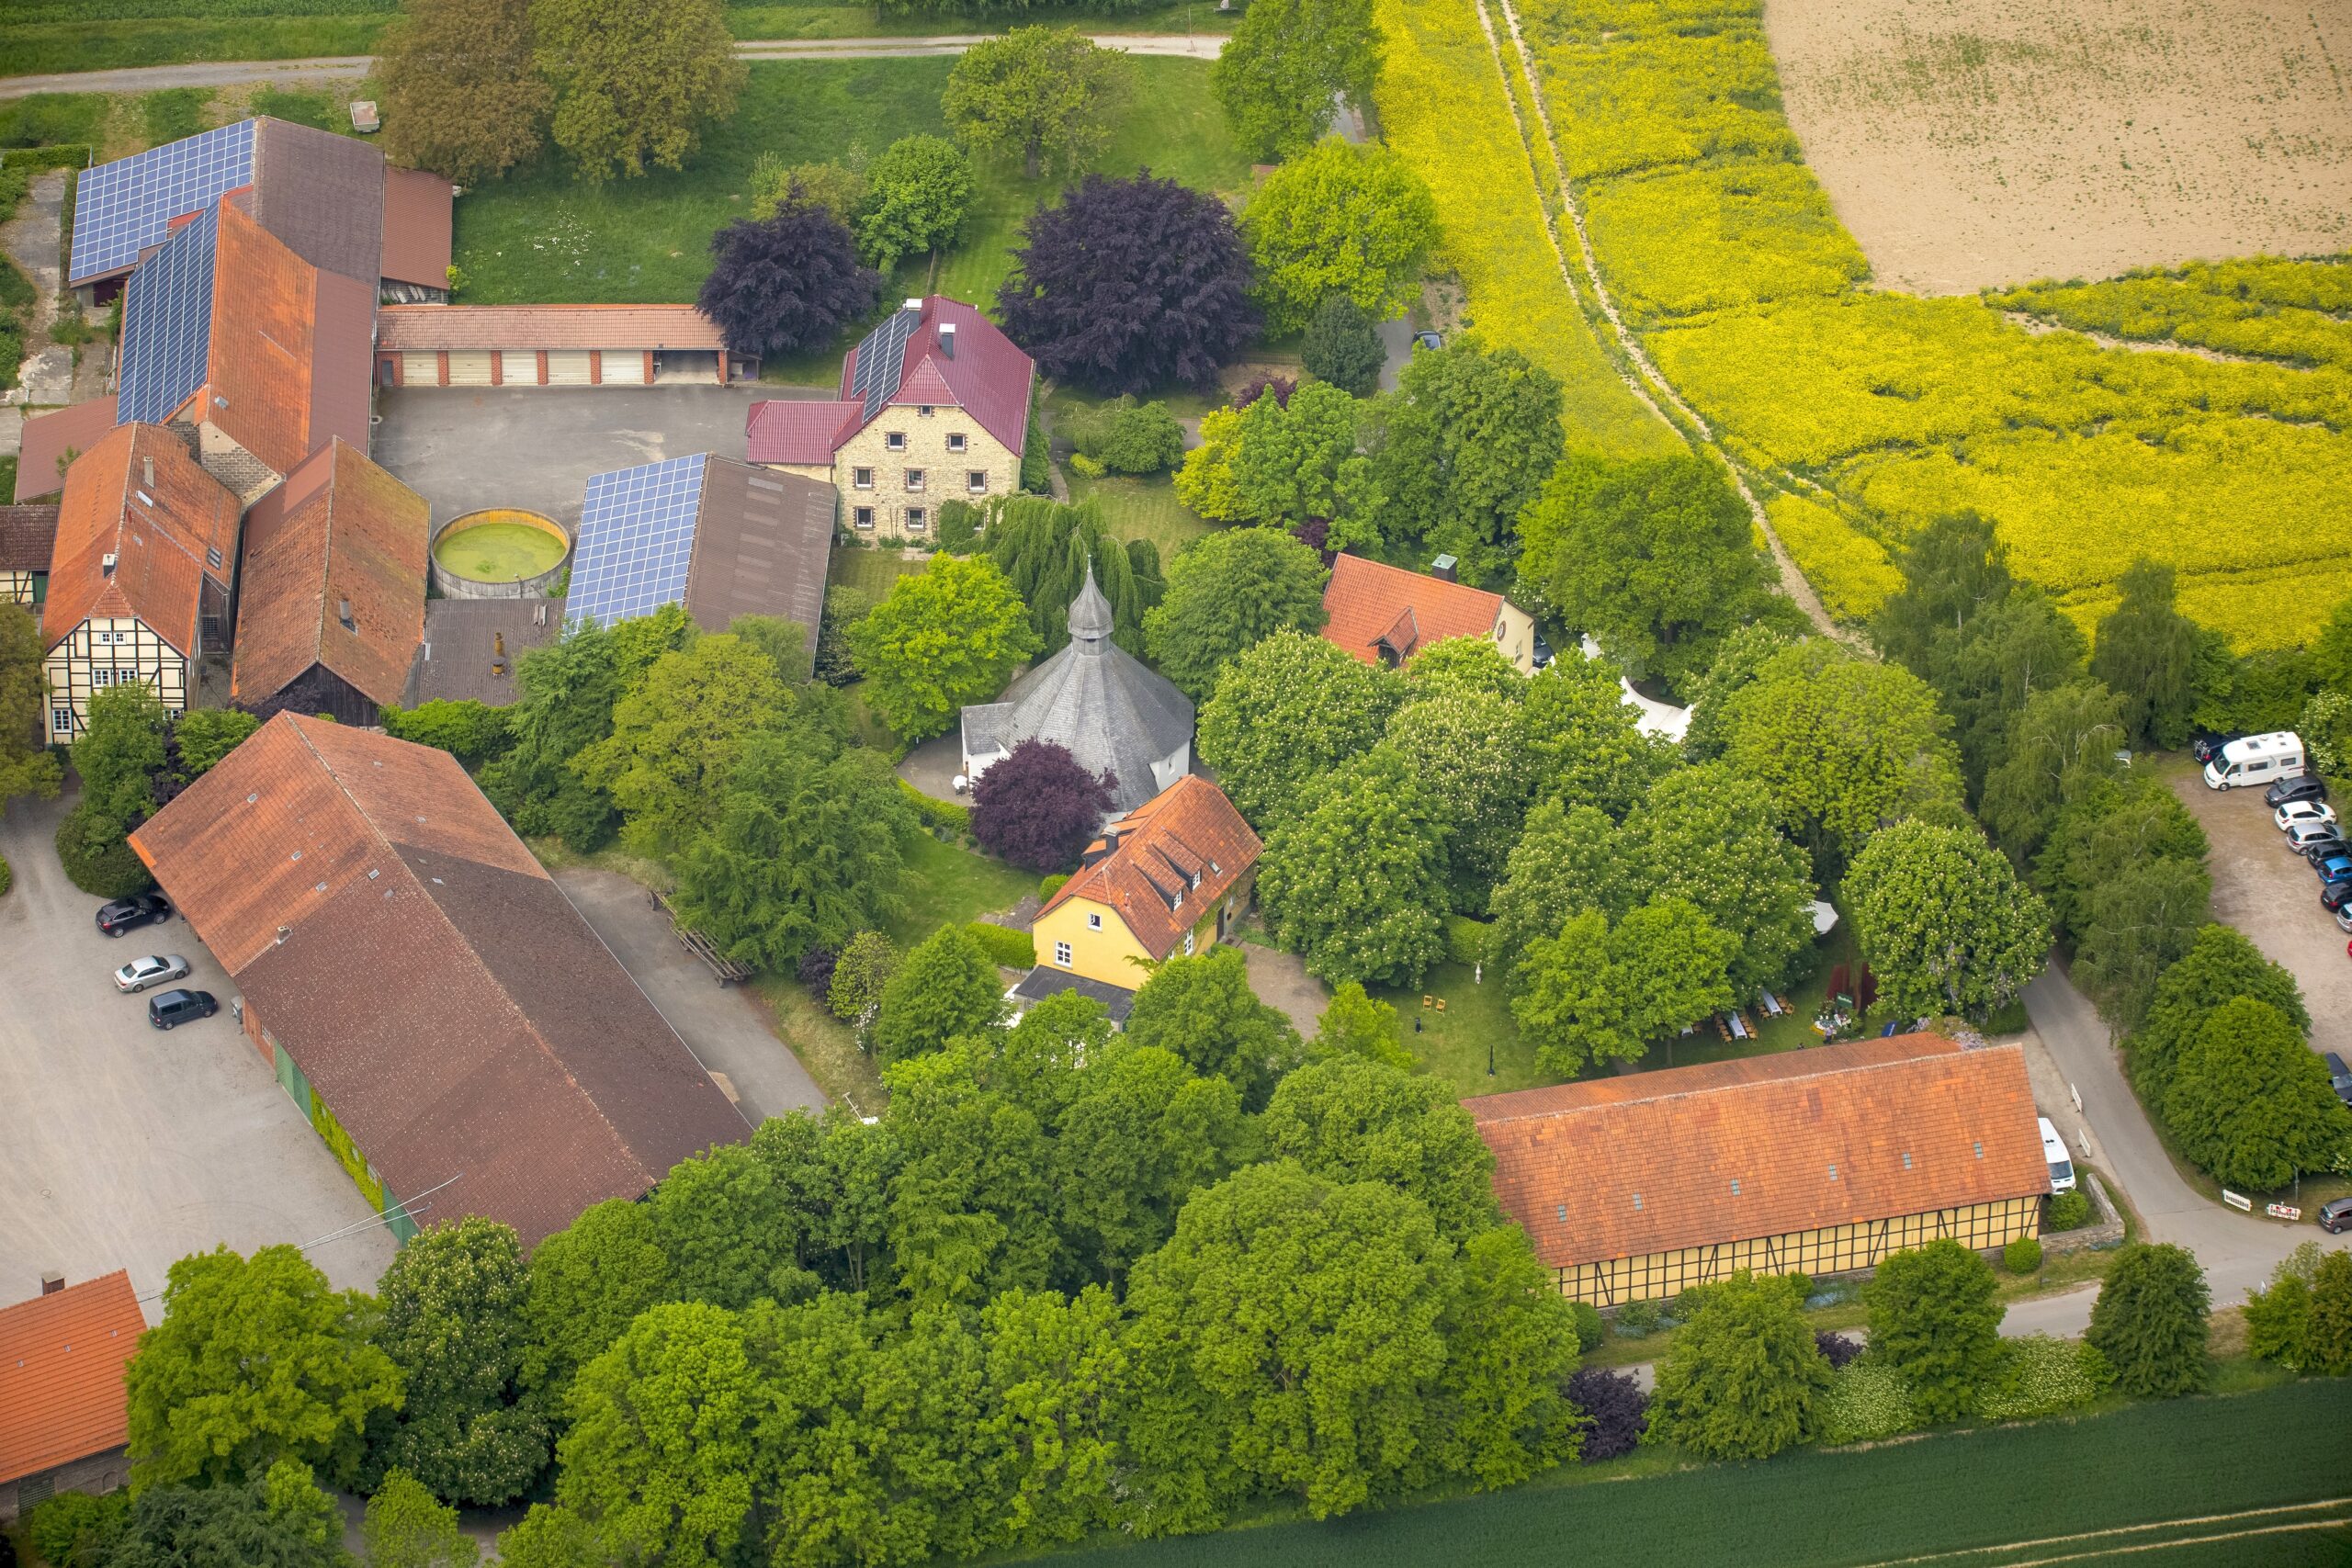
x,y
153,970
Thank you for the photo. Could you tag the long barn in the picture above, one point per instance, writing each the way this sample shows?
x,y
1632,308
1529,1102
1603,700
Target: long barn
x,y
1821,1161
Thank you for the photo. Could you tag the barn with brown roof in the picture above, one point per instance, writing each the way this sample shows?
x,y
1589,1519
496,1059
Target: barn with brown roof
x,y
553,345
64,1408
27,539
461,1036
334,579
1822,1161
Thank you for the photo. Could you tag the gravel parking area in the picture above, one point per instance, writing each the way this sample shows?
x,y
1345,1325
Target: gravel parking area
x,y
122,1147
2266,890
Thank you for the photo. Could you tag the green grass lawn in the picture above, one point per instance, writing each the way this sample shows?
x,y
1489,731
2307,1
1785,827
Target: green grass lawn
x,y
826,1046
1142,509
543,236
1453,1045
1994,1497
949,885
872,572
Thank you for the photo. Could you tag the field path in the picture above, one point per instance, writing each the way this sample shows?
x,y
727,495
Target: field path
x,y
351,67
1647,382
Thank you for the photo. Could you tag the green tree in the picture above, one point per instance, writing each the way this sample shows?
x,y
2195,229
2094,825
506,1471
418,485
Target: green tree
x,y
728,1229
2250,1102
261,1524
587,1282
2146,653
2142,921
1943,921
1287,1340
2149,1322
1844,746
1502,1406
549,1537
839,188
949,635
453,1325
785,644
2061,745
635,85
405,1526
120,751
1656,560
1044,93
658,1458
257,1360
470,731
1470,665
1350,1119
1045,550
1465,748
2112,826
2220,966
2329,1342
2279,1316
1227,592
1201,1011
1568,859
945,987
1356,884
25,768
1705,834
971,1210
1286,465
291,1491
1279,73
1743,1377
1472,435
1342,346
76,1529
1954,570
1738,662
1599,992
1338,220
860,974
1286,713
1360,1028
1584,740
1933,1320
676,736
1057,1380
806,852
918,192
461,95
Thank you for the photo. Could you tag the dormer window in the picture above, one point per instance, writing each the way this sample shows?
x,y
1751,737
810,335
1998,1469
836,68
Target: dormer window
x,y
1178,901
923,412
1196,879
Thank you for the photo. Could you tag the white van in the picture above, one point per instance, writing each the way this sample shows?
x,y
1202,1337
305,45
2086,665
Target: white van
x,y
2256,759
2054,1149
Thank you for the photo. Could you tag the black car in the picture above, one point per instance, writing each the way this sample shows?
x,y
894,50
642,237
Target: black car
x,y
2208,742
2334,896
130,914
2285,790
2338,1074
2321,848
1543,652
177,1006
2337,1216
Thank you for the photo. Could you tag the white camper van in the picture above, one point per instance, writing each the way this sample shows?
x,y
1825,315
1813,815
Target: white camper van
x,y
2256,759
2054,1149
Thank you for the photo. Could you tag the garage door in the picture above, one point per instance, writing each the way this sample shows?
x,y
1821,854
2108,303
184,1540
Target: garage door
x,y
420,370
567,368
624,368
469,367
520,367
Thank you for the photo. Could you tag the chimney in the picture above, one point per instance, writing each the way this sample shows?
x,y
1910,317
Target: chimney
x,y
343,614
106,564
947,339
51,1282
498,644
913,306
1443,569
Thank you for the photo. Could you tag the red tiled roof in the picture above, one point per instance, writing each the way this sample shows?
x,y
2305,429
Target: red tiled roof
x,y
421,329
159,543
988,377
782,430
1366,602
339,531
507,1047
290,357
417,220
27,538
1187,830
62,1360
49,436
1647,1162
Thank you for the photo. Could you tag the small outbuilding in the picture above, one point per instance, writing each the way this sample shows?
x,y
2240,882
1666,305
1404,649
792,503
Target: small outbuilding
x,y
553,345
64,1406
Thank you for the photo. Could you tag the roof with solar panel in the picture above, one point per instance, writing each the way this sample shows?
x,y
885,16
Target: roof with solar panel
x,y
721,537
938,351
120,209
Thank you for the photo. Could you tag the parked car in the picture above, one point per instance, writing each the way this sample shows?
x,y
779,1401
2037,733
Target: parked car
x,y
1543,652
2335,895
2305,835
2343,915
2297,812
2334,868
130,914
2338,1076
2285,790
175,1007
153,970
2208,742
2322,845
2336,1218
1428,340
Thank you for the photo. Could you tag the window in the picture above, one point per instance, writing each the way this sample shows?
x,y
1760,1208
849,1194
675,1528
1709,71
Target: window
x,y
916,479
1095,922
861,478
864,516
1178,902
916,521
895,441
977,481
1061,954
925,411
105,675
954,441
61,721
1188,944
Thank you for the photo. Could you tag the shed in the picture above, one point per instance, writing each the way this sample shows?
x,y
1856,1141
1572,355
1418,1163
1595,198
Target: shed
x,y
552,346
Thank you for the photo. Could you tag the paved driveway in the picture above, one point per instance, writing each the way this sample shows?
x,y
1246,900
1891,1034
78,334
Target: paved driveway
x,y
122,1147
534,446
2266,890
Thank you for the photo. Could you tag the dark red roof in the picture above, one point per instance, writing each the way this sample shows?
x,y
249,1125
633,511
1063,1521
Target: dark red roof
x,y
49,436
61,1361
418,207
987,376
28,537
783,430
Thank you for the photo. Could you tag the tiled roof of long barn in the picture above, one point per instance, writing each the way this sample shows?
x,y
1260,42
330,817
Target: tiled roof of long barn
x,y
439,991
62,1362
1650,1162
418,329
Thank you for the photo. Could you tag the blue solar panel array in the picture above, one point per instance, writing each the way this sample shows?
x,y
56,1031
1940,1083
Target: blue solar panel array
x,y
637,536
123,208
167,324
882,360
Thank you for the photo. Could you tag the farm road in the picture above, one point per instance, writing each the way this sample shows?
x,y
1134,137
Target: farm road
x,y
351,67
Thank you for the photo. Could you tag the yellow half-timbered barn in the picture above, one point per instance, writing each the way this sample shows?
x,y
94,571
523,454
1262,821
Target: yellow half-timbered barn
x,y
1822,1161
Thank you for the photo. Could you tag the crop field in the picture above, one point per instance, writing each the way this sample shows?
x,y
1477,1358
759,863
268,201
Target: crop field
x,y
2253,1480
2262,308
1978,143
1442,108
1758,307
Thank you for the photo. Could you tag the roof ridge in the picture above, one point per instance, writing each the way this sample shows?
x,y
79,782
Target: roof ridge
x,y
1728,1083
